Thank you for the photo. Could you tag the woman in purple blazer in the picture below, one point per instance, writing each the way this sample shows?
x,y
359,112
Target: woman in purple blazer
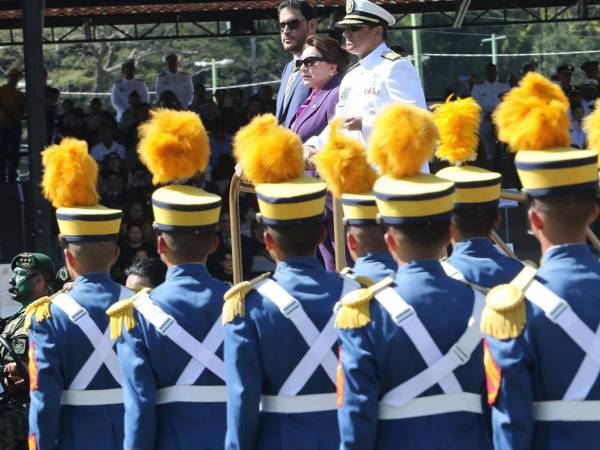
x,y
323,63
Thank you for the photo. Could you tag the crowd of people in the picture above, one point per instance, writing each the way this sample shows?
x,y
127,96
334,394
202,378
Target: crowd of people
x,y
141,343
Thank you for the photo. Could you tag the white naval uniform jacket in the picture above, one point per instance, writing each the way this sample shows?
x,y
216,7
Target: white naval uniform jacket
x,y
180,83
120,94
380,78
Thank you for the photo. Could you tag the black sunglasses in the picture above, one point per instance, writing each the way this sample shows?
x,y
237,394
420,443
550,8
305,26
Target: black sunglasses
x,y
355,28
292,24
308,61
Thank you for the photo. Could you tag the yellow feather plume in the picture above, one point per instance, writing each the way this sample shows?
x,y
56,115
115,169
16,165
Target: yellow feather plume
x,y
70,175
267,152
343,165
173,145
402,139
534,115
458,124
591,125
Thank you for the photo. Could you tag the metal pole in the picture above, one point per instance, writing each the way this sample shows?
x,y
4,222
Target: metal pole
x,y
500,243
339,241
494,49
33,11
415,21
236,239
214,75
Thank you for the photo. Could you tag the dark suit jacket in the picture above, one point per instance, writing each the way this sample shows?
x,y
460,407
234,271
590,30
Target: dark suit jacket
x,y
319,112
298,93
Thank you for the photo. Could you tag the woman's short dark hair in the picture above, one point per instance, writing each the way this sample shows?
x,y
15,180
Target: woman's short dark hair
x,y
331,50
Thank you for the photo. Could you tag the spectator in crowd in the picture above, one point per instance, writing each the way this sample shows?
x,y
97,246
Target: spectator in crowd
x,y
123,88
205,107
131,244
254,108
179,83
578,138
93,120
322,65
589,93
297,21
591,70
564,74
265,93
167,99
261,259
135,213
145,273
488,95
112,190
107,145
12,109
220,144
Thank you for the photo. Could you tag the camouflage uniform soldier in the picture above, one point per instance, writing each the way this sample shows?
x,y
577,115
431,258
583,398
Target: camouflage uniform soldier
x,y
33,276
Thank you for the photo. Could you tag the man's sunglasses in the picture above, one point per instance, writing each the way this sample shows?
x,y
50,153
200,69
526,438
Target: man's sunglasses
x,y
355,28
308,61
292,24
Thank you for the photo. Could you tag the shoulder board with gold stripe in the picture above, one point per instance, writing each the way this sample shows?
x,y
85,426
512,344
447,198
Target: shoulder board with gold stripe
x,y
391,55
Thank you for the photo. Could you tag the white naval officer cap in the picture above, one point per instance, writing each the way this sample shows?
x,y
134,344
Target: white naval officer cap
x,y
359,12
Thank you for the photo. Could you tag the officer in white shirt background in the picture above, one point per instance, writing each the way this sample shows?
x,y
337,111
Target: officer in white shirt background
x,y
180,83
488,95
381,76
121,89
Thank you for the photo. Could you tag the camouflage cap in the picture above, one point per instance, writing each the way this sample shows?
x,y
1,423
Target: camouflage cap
x,y
33,261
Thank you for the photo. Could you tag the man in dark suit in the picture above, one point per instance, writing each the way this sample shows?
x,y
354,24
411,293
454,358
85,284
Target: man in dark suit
x,y
297,20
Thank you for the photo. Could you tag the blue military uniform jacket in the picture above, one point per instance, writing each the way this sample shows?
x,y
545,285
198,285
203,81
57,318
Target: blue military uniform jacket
x,y
60,349
379,356
482,264
375,266
541,363
152,361
262,349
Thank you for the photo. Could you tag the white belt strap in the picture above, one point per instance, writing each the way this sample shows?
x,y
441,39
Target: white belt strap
x,y
457,275
320,343
458,355
168,326
405,317
91,397
212,341
560,312
452,271
431,405
298,403
103,347
568,411
193,394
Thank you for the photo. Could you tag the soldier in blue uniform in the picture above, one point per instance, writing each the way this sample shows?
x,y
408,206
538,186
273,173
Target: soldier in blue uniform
x,y
343,165
411,349
542,327
279,337
76,400
171,352
474,258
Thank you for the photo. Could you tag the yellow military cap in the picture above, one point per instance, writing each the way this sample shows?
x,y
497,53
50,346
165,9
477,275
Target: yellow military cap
x,y
185,208
458,121
533,120
271,158
343,165
402,139
69,183
174,146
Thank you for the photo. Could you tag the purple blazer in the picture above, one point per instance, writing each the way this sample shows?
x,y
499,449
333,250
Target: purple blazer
x,y
319,112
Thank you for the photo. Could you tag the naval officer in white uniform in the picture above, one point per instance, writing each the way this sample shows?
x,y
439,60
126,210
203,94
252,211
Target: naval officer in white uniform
x,y
381,76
